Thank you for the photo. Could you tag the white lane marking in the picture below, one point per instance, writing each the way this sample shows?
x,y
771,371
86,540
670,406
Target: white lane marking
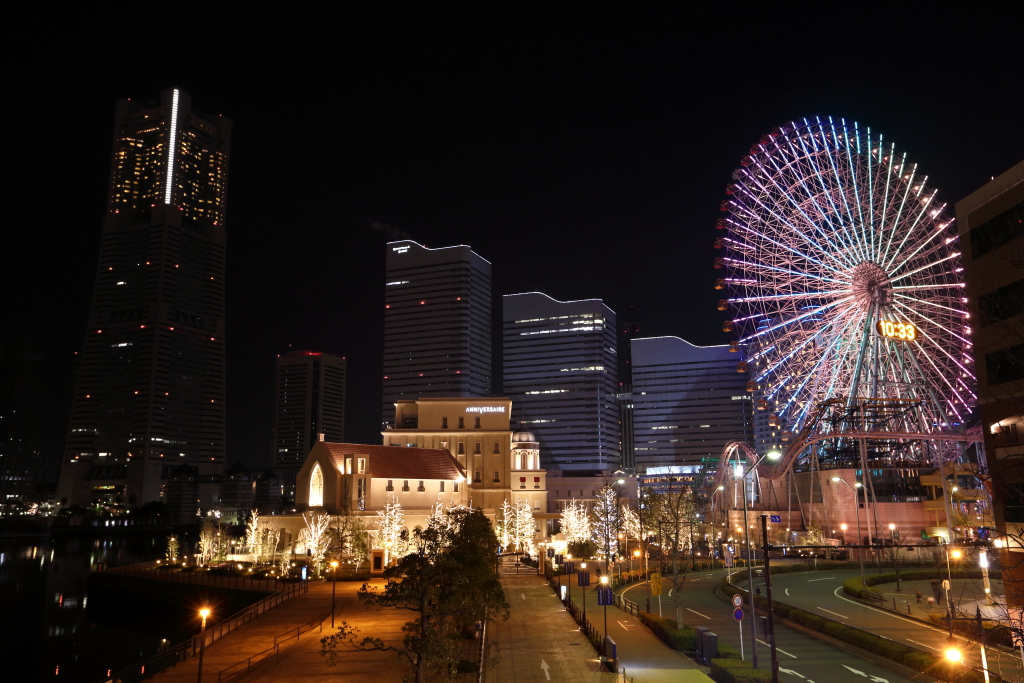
x,y
827,578
874,679
787,591
626,625
522,595
696,612
792,673
889,614
835,613
546,668
777,649
921,644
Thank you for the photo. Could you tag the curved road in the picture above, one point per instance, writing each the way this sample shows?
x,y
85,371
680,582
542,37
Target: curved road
x,y
822,593
802,659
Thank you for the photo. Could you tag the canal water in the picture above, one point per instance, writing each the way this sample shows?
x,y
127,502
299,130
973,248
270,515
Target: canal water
x,y
52,629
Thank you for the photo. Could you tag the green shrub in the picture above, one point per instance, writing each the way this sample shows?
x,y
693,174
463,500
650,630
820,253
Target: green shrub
x,y
683,639
737,671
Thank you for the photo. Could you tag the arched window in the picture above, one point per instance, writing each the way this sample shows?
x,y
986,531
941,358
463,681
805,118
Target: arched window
x,y
316,487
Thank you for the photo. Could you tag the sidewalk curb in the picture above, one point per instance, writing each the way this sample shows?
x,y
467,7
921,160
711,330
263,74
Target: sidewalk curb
x,y
847,647
866,603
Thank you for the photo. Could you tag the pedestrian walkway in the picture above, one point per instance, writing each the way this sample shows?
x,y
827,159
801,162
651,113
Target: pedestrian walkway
x,y
540,642
966,594
299,659
644,656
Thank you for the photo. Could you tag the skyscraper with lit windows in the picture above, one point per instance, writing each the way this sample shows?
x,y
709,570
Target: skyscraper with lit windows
x,y
437,324
150,390
561,370
309,399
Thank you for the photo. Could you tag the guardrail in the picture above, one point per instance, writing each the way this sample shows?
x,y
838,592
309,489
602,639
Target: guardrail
x,y
626,605
888,603
201,576
275,649
190,648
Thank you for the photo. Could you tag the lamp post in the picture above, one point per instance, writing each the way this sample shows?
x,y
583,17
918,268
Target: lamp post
x,y
604,582
205,612
771,605
583,565
983,563
334,584
738,473
856,507
568,580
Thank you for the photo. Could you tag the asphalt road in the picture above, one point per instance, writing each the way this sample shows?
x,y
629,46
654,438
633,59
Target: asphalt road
x,y
822,593
802,659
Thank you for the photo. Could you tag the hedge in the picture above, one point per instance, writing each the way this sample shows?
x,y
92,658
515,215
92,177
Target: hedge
x,y
856,589
737,671
681,639
890,649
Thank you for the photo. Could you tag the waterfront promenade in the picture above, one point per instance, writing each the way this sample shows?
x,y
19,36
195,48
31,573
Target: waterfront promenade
x,y
298,658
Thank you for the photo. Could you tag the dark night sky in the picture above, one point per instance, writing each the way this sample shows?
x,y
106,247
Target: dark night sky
x,y
583,150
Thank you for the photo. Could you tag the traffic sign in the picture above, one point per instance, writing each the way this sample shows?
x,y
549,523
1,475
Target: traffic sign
x,y
737,601
945,584
737,614
656,583
775,518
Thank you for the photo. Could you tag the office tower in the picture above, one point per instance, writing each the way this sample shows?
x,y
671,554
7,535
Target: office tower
x,y
437,324
689,402
561,372
22,404
150,390
309,399
991,225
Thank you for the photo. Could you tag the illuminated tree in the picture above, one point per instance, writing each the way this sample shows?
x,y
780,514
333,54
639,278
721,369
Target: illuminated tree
x,y
449,587
391,533
315,538
172,548
607,520
252,536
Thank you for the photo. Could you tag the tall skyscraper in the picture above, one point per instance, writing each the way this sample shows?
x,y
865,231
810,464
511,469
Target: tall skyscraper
x,y
150,389
309,400
22,404
689,402
561,372
991,225
437,324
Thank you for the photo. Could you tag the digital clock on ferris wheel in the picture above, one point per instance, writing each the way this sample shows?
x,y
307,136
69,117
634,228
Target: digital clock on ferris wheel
x,y
896,330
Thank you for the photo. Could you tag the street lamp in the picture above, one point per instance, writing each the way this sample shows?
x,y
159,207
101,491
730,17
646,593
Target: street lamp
x,y
636,554
204,612
738,473
983,563
856,507
334,584
604,582
583,565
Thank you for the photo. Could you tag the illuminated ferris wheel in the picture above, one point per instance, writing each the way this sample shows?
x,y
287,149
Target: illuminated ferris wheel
x,y
843,278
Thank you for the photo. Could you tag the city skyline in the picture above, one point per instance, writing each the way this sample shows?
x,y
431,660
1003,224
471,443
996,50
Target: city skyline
x,y
598,176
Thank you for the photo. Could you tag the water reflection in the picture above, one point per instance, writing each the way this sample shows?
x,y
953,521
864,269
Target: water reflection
x,y
54,628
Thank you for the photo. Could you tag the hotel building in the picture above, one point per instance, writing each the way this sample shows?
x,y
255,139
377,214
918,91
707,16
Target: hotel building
x,y
437,324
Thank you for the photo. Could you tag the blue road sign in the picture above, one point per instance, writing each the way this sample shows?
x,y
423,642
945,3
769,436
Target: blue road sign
x,y
737,614
558,558
583,578
551,552
569,567
775,518
604,595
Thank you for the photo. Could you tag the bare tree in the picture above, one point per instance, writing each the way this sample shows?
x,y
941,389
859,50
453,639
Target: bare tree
x,y
677,521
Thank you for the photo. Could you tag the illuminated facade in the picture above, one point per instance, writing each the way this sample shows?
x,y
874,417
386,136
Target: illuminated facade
x,y
688,403
309,400
561,372
437,324
150,390
991,225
